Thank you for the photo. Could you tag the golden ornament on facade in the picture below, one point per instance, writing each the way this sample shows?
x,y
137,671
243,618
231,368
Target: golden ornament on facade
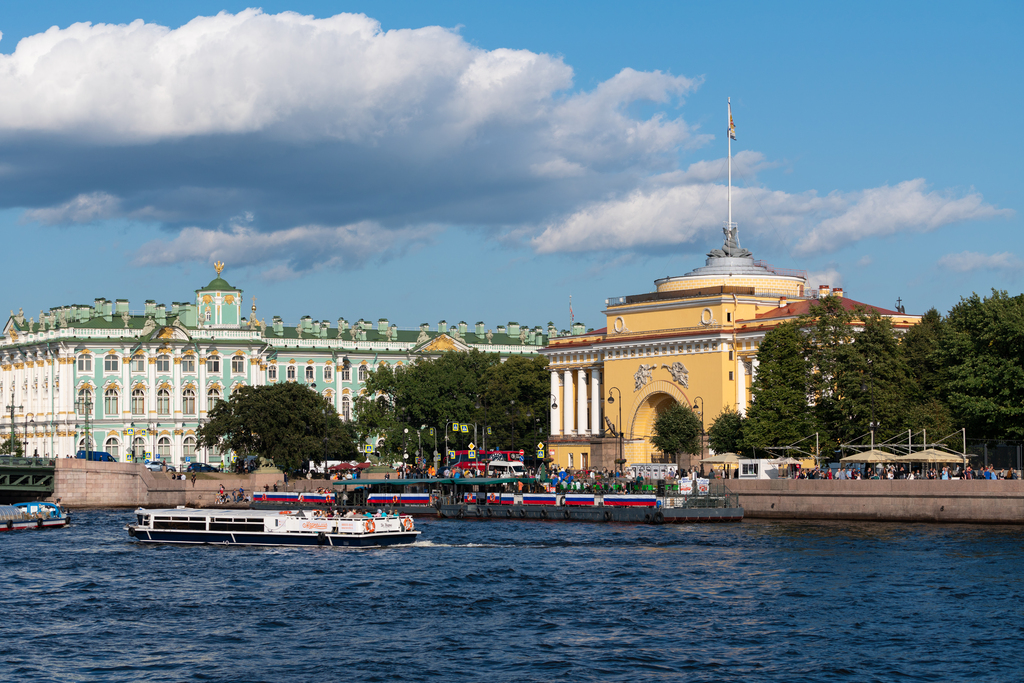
x,y
218,266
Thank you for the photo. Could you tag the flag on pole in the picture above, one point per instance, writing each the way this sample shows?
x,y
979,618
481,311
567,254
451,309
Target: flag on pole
x,y
732,126
572,318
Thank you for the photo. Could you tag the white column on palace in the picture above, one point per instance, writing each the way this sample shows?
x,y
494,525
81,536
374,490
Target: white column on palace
x,y
567,412
595,401
741,387
581,402
554,398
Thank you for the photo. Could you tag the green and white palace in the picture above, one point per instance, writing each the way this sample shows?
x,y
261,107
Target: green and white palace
x,y
139,383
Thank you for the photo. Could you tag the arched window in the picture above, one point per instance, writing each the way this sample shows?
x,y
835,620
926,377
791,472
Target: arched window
x,y
163,447
82,444
84,404
212,397
328,373
163,402
139,447
291,373
113,446
85,363
310,373
213,364
188,402
272,373
138,401
111,363
163,364
346,374
362,373
188,365
110,402
346,408
189,447
238,365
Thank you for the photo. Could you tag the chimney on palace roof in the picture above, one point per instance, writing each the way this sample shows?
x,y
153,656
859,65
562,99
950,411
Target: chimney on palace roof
x,y
838,292
782,302
822,291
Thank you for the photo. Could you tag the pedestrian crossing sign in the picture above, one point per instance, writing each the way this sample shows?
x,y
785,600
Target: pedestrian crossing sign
x,y
465,429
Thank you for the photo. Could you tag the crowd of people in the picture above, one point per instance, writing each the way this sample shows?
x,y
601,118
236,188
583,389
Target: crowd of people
x,y
893,471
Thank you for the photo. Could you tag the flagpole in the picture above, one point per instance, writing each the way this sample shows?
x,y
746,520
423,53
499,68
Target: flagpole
x,y
728,135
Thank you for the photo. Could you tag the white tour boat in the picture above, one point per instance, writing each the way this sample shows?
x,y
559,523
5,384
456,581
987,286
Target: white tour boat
x,y
267,527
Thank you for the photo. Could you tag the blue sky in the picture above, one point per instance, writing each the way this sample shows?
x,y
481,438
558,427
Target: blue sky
x,y
475,161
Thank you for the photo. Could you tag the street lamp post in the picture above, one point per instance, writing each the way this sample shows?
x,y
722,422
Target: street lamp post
x,y
14,432
701,413
85,407
618,427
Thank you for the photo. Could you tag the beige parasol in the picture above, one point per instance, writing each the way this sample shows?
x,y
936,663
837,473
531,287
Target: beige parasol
x,y
873,455
723,459
932,455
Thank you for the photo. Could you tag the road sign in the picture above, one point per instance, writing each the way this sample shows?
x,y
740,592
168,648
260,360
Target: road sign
x,y
129,432
465,429
522,452
472,446
451,454
140,432
472,455
488,431
540,446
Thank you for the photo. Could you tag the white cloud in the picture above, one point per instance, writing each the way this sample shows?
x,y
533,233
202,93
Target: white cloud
x,y
286,253
684,214
968,261
829,276
85,208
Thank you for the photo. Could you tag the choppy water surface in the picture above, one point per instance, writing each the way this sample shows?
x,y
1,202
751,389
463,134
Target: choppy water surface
x,y
521,601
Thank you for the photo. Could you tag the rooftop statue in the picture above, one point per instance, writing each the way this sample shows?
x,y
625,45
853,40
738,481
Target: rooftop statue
x,y
731,248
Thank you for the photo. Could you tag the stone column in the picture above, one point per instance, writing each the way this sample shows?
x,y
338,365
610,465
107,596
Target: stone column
x,y
555,400
581,402
741,387
567,412
595,401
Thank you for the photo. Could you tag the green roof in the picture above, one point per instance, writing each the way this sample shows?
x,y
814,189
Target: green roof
x,y
218,284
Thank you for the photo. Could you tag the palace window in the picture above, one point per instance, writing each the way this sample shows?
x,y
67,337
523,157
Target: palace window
x,y
310,373
238,365
163,364
346,374
188,365
139,446
291,373
110,402
138,363
188,402
346,408
328,373
730,355
272,373
189,447
163,402
163,447
212,397
111,363
85,363
84,401
728,317
112,446
138,402
362,373
730,375
213,364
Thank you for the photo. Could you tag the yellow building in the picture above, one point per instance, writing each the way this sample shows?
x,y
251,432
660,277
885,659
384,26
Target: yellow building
x,y
693,340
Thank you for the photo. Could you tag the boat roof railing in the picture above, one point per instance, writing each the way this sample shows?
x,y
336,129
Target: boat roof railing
x,y
457,481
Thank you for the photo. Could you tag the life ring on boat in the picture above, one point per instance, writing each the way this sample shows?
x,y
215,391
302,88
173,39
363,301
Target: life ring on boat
x,y
407,524
284,512
321,538
607,515
369,527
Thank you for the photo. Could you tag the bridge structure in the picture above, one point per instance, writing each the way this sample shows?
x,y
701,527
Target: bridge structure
x,y
25,478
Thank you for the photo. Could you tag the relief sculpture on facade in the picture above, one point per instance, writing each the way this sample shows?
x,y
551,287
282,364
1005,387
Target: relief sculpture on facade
x,y
642,376
679,373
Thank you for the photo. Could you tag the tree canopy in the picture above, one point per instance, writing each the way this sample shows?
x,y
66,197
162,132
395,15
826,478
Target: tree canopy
x,y
725,435
287,423
677,430
511,398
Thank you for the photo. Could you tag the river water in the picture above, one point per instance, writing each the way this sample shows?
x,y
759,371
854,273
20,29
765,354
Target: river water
x,y
521,601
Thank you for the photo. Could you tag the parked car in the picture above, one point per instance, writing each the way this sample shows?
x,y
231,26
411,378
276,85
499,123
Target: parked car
x,y
157,466
97,456
201,467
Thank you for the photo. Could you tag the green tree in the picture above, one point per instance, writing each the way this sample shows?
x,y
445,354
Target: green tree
x,y
6,447
726,432
981,354
287,423
779,413
830,333
677,430
516,402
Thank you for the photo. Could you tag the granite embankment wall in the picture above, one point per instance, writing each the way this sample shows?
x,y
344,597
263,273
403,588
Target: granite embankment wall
x,y
975,501
81,483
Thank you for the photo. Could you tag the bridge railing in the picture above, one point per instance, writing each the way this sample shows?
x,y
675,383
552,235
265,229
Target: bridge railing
x,y
14,461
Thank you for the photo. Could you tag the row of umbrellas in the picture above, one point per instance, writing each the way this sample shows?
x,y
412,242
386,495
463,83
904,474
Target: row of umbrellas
x,y
733,459
872,456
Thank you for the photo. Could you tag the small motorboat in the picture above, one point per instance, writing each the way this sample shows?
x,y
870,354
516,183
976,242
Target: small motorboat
x,y
184,525
33,515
